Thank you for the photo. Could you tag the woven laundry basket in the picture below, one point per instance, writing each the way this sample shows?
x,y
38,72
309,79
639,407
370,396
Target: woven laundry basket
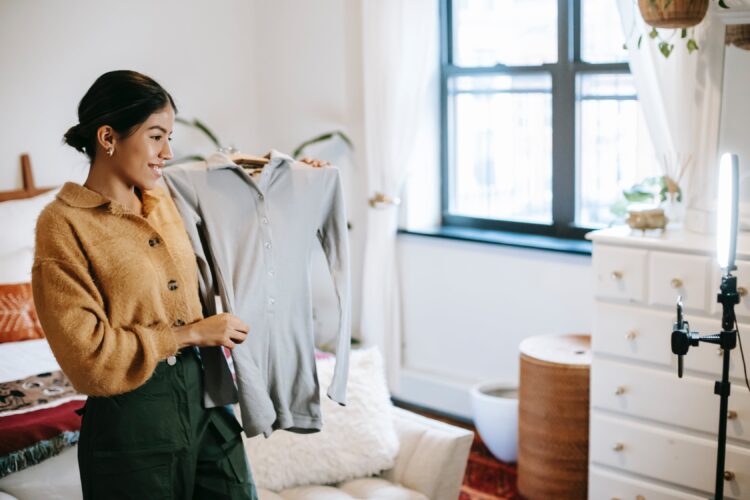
x,y
553,417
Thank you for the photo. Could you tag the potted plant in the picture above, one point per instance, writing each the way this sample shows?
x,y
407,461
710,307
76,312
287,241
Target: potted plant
x,y
203,128
682,15
673,13
739,36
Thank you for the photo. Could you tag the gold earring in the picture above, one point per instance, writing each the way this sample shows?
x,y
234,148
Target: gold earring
x,y
111,151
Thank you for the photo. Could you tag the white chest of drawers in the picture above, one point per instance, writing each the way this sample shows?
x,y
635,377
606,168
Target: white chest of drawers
x,y
653,435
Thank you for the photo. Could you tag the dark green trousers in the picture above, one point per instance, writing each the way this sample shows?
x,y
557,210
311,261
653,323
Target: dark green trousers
x,y
159,442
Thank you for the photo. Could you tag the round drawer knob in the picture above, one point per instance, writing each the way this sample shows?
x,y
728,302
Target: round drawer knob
x,y
731,415
640,497
618,447
616,275
676,283
632,334
728,475
742,291
620,390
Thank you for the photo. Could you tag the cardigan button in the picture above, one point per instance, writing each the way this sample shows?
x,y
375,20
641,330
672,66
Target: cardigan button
x,y
172,285
179,322
154,241
171,360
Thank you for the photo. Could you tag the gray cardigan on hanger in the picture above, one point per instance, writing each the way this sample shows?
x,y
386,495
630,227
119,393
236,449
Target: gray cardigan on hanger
x,y
253,239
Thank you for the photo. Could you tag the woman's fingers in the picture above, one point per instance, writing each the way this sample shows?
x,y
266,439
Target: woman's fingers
x,y
237,336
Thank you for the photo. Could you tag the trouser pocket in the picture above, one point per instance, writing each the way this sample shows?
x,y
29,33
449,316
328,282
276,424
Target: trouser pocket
x,y
132,476
227,436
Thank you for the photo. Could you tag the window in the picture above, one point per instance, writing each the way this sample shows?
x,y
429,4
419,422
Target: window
x,y
541,127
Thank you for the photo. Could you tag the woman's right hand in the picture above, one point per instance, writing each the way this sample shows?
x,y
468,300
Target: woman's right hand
x,y
222,329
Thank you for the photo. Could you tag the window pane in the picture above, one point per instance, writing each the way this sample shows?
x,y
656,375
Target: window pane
x,y
511,32
615,151
501,147
601,32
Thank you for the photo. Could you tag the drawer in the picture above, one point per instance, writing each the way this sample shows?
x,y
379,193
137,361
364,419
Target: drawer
x,y
671,456
742,310
687,402
644,334
672,275
608,485
620,273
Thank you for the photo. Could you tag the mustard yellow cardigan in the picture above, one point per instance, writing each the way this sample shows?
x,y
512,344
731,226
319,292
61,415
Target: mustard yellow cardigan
x,y
109,285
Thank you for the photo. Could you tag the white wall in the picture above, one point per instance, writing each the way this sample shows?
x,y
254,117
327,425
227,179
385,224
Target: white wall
x,y
467,307
51,52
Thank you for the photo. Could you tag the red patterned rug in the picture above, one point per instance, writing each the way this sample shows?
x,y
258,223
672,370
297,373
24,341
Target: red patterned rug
x,y
486,477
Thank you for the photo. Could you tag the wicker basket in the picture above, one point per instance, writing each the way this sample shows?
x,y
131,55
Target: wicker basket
x,y
739,36
553,417
678,14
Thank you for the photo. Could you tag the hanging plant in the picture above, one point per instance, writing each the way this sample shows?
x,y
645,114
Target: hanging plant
x,y
673,13
682,15
738,35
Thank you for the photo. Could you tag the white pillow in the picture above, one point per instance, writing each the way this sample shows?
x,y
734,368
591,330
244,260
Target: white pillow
x,y
357,440
18,220
16,267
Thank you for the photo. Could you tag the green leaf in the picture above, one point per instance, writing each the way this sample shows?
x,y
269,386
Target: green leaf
x,y
638,197
723,5
665,48
667,3
322,138
202,127
683,33
653,34
692,46
640,39
624,46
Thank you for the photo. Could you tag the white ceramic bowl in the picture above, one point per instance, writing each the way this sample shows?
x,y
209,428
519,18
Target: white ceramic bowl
x,y
495,408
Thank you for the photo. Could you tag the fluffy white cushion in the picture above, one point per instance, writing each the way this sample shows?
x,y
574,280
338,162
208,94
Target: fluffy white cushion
x,y
357,440
18,220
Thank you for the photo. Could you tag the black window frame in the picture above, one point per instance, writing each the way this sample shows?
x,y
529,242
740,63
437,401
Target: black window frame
x,y
564,122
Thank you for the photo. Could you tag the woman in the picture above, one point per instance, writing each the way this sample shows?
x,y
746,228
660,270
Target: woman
x,y
115,287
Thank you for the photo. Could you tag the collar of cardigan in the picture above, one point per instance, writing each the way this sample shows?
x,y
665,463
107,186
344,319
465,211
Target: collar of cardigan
x,y
79,196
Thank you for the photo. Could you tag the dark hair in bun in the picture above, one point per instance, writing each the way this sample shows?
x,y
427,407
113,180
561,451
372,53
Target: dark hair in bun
x,y
121,99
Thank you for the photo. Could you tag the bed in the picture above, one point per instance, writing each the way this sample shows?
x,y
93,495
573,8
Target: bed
x,y
38,423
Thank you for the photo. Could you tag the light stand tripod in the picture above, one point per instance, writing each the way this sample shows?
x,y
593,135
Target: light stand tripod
x,y
683,338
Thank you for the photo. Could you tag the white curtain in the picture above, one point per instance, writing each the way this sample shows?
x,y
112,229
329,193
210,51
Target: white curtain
x,y
681,100
401,64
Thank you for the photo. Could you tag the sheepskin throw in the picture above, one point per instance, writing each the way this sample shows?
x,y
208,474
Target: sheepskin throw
x,y
357,440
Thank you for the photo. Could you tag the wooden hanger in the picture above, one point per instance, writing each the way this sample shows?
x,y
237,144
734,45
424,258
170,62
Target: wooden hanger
x,y
249,161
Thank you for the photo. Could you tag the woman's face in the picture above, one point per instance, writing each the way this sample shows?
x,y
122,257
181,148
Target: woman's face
x,y
140,157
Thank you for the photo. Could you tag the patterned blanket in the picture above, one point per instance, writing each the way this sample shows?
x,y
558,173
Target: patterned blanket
x,y
38,420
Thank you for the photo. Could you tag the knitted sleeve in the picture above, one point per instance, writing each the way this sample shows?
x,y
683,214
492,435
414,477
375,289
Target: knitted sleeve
x,y
98,359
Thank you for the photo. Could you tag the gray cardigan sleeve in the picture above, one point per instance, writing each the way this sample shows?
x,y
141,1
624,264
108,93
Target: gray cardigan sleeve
x,y
334,238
